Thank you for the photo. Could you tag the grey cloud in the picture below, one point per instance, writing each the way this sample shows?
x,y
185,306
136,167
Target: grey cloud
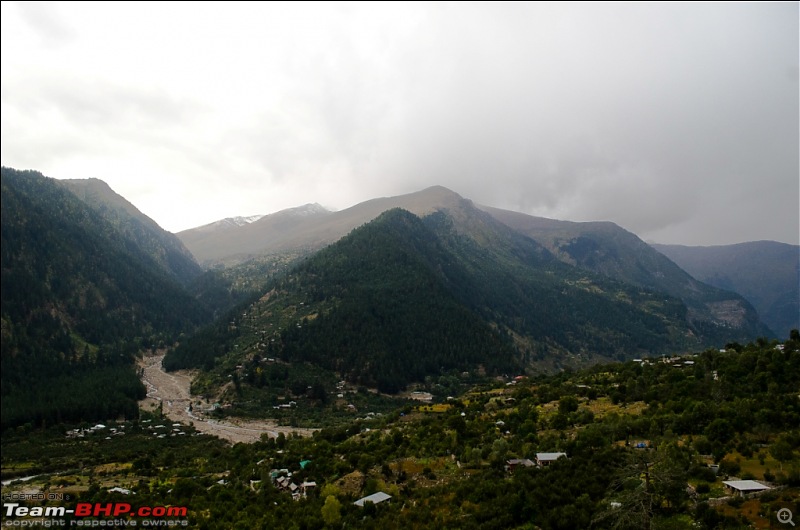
x,y
45,20
663,118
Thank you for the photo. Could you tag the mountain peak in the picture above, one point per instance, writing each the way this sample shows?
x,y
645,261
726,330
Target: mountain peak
x,y
228,222
241,220
439,189
438,193
305,210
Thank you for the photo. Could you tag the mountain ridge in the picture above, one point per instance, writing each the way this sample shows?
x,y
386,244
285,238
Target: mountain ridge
x,y
164,247
767,273
608,249
272,234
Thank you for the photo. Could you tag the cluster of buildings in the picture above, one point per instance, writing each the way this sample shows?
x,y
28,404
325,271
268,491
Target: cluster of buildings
x,y
82,433
159,431
283,480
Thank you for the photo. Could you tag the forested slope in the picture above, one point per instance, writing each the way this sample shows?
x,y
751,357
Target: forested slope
x,y
78,300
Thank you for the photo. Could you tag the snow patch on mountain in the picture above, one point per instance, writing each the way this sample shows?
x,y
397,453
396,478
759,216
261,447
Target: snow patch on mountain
x,y
241,221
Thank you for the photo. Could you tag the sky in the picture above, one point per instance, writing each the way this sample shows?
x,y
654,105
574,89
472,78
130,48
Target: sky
x,y
677,122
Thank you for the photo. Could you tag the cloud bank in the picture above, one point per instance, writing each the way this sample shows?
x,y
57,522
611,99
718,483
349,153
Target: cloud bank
x,y
678,122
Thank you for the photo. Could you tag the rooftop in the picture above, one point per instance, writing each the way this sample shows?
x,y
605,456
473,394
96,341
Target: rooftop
x,y
375,498
745,485
549,456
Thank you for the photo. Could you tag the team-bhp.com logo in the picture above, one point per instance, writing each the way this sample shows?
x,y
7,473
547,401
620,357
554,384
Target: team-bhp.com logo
x,y
125,514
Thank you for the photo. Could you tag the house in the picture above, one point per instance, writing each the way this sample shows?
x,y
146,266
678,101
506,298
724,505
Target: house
x,y
375,498
743,488
512,464
545,459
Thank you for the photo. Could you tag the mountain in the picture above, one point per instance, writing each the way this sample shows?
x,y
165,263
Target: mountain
x,y
602,248
237,239
286,231
79,298
766,273
404,297
164,247
607,249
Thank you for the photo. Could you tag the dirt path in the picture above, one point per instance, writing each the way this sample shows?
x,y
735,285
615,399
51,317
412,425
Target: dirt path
x,y
172,390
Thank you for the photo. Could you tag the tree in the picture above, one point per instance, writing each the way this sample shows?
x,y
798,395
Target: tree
x,y
781,450
499,452
649,481
331,510
719,430
567,404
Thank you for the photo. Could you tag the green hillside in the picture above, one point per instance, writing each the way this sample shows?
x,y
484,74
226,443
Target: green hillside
x,y
634,441
372,308
79,299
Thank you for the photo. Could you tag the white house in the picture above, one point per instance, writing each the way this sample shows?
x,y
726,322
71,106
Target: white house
x,y
375,498
743,488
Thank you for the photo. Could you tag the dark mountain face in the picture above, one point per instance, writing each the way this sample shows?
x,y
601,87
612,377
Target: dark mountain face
x,y
162,246
611,251
79,298
372,307
766,273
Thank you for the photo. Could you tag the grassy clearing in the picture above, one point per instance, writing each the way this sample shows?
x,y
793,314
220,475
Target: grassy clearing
x,y
752,510
437,408
752,466
603,406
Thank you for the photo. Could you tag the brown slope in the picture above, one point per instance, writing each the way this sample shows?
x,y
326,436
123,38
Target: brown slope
x,y
292,229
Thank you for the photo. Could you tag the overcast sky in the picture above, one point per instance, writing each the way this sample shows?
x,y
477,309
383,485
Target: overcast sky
x,y
678,122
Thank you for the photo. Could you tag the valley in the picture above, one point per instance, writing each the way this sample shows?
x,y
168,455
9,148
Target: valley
x,y
653,442
170,393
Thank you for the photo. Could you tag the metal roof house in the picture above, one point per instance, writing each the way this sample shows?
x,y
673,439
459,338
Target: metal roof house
x,y
743,488
375,498
517,462
545,459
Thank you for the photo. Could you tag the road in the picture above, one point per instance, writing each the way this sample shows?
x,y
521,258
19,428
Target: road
x,y
172,390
